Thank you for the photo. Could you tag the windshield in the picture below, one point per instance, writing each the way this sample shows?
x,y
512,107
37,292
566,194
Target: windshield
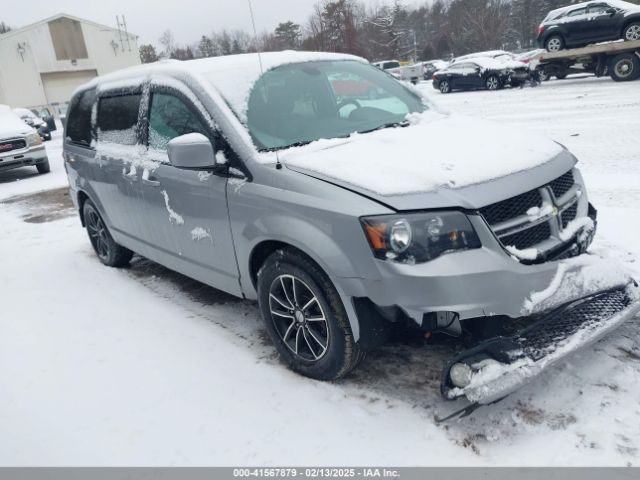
x,y
299,103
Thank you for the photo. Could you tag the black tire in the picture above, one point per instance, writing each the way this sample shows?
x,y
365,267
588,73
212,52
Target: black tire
x,y
554,43
492,83
625,67
324,348
631,32
43,167
562,75
108,251
544,75
444,86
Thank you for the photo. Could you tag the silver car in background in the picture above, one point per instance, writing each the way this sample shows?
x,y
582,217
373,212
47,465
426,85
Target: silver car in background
x,y
20,144
291,179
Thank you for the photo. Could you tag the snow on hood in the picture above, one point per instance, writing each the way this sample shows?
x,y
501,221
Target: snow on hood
x,y
435,151
11,125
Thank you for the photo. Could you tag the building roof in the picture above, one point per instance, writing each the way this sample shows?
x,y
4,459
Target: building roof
x,y
17,31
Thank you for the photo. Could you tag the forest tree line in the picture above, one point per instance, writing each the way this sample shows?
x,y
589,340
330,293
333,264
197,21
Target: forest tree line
x,y
391,30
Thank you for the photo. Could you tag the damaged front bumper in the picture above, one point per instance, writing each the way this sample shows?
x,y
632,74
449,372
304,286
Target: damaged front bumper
x,y
499,366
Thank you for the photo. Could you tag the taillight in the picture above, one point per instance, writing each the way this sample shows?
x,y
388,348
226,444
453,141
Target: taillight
x,y
541,29
435,77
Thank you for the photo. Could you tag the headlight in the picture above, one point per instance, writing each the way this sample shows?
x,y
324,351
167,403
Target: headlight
x,y
419,237
34,139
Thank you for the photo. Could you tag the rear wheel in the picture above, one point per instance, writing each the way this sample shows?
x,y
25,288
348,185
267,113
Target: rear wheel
x,y
445,86
305,318
554,43
492,83
561,75
543,75
625,67
108,251
631,32
44,167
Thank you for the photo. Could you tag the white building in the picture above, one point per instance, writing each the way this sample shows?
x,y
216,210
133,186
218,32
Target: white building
x,y
44,62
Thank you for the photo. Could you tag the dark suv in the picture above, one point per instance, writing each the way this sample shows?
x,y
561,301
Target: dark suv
x,y
584,23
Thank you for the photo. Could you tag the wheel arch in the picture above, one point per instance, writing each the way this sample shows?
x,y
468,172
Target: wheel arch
x,y
627,22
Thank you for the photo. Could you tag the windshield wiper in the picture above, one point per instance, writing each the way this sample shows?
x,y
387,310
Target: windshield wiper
x,y
285,147
402,124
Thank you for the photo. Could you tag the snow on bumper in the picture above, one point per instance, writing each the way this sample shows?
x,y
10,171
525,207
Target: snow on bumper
x,y
499,366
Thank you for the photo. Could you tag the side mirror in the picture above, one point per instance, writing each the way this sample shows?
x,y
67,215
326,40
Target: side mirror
x,y
192,150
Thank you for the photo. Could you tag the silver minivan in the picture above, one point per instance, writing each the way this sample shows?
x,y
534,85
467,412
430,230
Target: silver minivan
x,y
344,203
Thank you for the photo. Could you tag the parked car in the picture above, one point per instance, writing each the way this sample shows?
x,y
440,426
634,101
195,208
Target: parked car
x,y
251,175
392,67
32,120
478,73
432,66
45,114
590,22
20,144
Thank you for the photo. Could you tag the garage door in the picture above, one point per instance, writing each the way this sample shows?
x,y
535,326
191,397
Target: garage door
x,y
59,86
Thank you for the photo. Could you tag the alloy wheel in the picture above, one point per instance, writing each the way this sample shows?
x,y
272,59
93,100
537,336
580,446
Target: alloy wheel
x,y
298,318
444,87
492,83
632,33
554,45
98,234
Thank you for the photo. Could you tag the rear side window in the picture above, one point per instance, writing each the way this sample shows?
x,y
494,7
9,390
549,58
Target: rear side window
x,y
170,117
118,119
79,129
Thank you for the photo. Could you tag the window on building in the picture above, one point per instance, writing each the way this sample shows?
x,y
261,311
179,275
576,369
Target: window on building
x,y
118,119
79,118
67,38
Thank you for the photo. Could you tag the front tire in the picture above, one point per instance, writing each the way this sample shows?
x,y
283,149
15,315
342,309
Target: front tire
x,y
554,43
631,32
305,317
109,252
43,167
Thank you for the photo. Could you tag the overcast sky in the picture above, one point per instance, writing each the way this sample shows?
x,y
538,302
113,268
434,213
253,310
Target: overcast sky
x,y
188,19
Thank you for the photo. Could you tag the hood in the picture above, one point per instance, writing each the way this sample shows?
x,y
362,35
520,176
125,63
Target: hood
x,y
12,125
438,161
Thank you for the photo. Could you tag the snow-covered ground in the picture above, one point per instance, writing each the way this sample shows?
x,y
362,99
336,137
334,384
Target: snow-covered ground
x,y
145,367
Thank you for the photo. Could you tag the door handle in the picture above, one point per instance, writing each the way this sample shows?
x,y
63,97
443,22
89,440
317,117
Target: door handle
x,y
129,175
149,180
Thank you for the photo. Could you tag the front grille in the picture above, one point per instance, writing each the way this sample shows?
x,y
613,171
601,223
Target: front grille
x,y
569,215
563,184
527,238
10,145
515,228
537,340
512,207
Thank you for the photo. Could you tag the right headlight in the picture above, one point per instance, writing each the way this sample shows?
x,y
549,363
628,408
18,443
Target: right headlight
x,y
33,139
419,237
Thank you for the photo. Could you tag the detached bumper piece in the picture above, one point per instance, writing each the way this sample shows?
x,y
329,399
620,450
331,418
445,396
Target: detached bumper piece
x,y
497,367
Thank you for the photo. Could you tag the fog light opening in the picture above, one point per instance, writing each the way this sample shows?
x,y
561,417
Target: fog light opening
x,y
460,375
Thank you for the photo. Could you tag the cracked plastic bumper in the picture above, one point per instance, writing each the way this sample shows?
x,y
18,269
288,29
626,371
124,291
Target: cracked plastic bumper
x,y
502,365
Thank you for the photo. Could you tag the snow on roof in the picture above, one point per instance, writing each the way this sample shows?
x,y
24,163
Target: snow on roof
x,y
486,63
16,31
488,53
233,76
614,3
